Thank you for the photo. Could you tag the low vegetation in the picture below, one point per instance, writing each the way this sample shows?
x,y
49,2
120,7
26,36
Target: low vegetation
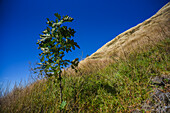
x,y
122,86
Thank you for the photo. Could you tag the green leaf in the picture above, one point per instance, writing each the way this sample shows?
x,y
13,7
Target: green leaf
x,y
48,29
42,58
67,19
73,47
72,67
56,20
77,45
57,15
45,31
63,104
39,63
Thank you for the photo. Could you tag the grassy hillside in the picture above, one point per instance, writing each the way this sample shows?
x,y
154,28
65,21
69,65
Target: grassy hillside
x,y
122,86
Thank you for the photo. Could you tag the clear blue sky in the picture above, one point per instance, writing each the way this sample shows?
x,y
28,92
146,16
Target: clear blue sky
x,y
96,22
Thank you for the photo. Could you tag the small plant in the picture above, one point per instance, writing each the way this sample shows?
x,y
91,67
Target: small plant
x,y
55,42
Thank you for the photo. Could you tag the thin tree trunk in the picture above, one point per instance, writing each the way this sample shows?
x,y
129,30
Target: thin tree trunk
x,y
61,94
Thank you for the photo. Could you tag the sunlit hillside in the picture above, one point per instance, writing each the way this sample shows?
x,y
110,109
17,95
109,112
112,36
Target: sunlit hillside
x,y
131,73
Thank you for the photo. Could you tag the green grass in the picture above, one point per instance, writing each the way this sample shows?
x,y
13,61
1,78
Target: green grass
x,y
120,87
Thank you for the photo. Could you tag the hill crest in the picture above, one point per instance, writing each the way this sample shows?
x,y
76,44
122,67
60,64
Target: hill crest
x,y
151,30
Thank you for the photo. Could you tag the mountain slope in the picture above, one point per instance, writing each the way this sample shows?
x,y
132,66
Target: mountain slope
x,y
139,83
151,30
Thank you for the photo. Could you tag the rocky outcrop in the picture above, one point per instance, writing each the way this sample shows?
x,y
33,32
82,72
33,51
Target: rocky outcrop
x,y
159,101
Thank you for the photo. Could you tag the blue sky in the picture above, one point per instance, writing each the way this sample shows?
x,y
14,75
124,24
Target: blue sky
x,y
95,21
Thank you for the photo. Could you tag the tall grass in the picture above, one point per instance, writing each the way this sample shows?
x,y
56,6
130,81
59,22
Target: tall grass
x,y
121,86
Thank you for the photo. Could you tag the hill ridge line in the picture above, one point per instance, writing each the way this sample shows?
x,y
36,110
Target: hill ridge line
x,y
121,38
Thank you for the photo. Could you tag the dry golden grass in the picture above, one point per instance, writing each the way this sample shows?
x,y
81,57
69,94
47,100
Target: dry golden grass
x,y
88,66
96,84
136,39
150,31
